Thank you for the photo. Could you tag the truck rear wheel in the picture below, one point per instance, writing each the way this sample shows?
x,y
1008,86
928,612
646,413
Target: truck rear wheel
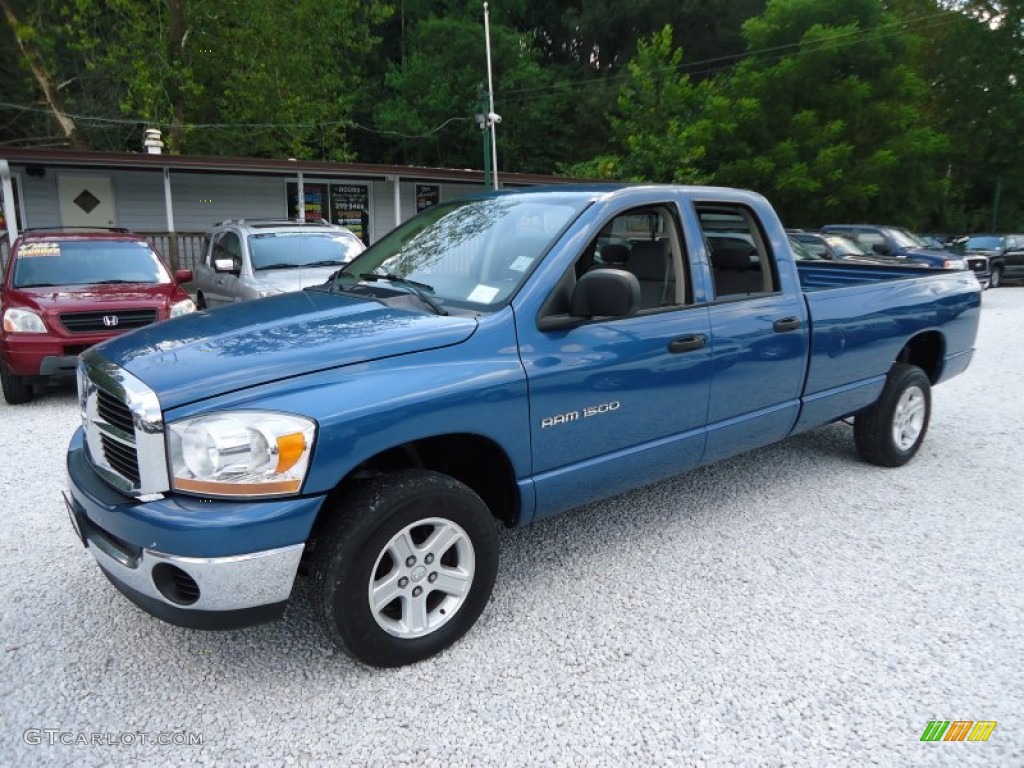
x,y
891,431
16,389
404,567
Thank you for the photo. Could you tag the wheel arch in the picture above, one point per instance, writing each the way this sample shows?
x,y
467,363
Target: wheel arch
x,y
926,351
472,459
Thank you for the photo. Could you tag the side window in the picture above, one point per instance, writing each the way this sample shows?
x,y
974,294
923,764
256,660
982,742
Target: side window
x,y
741,263
646,243
870,239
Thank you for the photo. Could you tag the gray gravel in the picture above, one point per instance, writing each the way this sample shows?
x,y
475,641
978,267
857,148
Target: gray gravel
x,y
793,606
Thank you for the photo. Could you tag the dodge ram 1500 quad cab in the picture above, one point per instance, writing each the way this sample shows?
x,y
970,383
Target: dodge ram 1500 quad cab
x,y
503,357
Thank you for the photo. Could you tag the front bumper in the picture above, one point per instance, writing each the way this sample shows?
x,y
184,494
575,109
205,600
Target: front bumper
x,y
42,355
133,541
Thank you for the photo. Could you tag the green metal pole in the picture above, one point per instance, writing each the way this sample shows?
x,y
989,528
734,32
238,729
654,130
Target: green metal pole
x,y
995,203
487,141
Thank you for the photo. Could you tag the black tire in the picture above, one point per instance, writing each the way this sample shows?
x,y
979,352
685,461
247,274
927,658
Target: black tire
x,y
16,389
892,430
355,547
200,302
995,279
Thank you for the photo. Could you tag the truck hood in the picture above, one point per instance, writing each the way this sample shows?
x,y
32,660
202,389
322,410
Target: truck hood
x,y
254,342
288,280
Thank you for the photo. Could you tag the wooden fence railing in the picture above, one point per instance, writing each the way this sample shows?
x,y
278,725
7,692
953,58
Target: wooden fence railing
x,y
183,250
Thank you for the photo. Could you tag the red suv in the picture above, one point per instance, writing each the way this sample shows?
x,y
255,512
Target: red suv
x,y
64,291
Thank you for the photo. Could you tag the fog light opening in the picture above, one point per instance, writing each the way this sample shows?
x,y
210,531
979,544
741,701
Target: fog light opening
x,y
175,585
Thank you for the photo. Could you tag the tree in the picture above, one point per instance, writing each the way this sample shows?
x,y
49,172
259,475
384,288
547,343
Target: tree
x,y
972,64
433,97
286,89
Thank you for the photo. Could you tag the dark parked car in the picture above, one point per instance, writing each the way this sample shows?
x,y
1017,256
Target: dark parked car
x,y
902,244
1005,255
834,247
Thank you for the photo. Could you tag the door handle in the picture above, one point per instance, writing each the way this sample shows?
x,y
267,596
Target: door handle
x,y
687,343
786,324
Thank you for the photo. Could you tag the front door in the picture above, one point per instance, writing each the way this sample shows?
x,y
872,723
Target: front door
x,y
617,403
86,201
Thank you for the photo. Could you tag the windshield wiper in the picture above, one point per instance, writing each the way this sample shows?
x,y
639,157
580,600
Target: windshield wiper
x,y
323,263
417,288
280,265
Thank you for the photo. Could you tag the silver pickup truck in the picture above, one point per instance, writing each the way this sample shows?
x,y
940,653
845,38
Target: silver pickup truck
x,y
252,258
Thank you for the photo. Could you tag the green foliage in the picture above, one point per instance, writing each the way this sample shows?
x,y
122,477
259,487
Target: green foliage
x,y
907,111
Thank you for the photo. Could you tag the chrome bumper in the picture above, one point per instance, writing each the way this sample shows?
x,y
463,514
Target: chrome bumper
x,y
201,592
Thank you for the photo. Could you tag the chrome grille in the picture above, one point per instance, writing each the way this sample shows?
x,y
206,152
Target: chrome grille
x,y
113,411
122,457
123,424
119,320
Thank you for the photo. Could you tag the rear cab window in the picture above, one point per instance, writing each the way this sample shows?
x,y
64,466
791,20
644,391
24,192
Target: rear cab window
x,y
741,261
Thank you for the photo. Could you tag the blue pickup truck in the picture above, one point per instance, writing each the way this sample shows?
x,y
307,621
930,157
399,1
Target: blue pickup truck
x,y
495,360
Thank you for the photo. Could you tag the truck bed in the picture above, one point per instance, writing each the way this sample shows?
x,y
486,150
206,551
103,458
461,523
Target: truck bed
x,y
816,275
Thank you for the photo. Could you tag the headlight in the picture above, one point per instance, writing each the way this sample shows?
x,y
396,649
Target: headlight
x,y
23,321
183,308
954,264
242,453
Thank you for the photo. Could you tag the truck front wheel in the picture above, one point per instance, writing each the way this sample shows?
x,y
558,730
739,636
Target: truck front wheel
x,y
891,431
404,566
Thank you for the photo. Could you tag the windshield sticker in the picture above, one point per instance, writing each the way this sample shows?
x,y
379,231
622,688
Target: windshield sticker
x,y
521,264
483,294
31,250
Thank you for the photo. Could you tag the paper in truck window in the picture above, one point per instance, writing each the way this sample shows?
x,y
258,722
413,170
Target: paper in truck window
x,y
483,294
32,250
521,264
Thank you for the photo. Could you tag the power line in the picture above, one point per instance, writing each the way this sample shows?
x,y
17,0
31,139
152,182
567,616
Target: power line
x,y
703,67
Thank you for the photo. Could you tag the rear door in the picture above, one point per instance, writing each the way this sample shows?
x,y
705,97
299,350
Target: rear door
x,y
759,334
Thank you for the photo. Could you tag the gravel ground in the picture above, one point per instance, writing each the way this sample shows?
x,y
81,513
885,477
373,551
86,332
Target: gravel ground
x,y
793,606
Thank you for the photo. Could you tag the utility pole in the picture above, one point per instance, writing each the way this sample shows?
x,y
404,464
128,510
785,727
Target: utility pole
x,y
492,116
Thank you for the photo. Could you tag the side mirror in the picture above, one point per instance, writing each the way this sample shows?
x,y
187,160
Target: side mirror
x,y
881,249
224,265
606,293
183,275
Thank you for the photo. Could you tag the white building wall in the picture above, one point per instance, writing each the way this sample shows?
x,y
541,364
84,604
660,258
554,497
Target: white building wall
x,y
203,199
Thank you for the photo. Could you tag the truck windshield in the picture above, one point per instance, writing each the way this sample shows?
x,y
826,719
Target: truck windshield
x,y
905,239
472,253
86,262
281,250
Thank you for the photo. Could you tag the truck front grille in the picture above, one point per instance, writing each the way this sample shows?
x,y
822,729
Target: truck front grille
x,y
113,411
123,425
122,458
115,320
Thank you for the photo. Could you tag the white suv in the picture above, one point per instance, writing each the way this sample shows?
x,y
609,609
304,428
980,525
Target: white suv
x,y
253,258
